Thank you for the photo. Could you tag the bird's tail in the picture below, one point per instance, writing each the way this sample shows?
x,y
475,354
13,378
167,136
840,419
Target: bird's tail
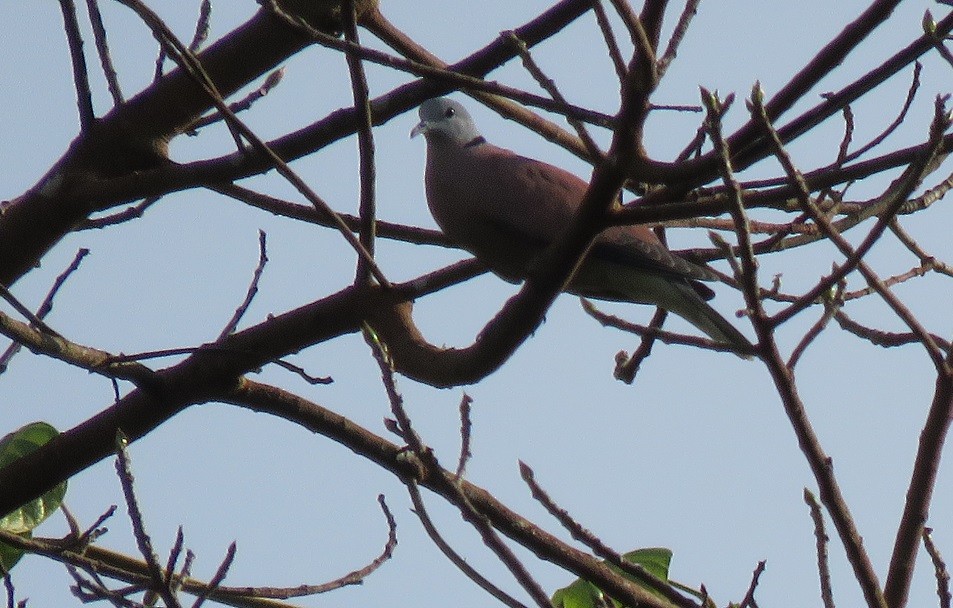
x,y
676,294
691,307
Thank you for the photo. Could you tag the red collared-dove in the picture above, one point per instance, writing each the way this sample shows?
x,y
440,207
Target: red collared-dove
x,y
506,209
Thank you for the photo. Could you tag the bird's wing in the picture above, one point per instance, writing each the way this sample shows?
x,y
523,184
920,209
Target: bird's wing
x,y
549,199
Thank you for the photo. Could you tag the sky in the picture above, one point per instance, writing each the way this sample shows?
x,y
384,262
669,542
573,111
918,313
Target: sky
x,y
697,455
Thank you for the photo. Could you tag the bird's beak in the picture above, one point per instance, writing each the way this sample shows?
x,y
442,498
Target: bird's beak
x,y
421,127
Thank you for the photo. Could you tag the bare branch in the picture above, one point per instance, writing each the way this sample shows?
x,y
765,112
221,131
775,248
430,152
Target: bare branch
x,y
252,288
428,459
189,63
128,214
832,303
889,207
365,142
627,367
46,306
678,34
160,580
466,427
939,569
911,94
270,82
455,558
748,601
821,464
102,47
615,55
84,96
661,335
580,533
823,563
201,26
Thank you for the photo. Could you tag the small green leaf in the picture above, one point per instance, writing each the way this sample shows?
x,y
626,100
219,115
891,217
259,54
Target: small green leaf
x,y
655,560
22,521
9,556
583,594
580,594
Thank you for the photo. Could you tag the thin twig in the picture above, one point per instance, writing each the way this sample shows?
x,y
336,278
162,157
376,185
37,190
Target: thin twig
x,y
917,271
201,26
580,533
308,213
632,23
46,306
428,460
270,82
823,561
252,288
611,43
908,102
466,428
95,530
143,541
94,590
549,85
748,601
216,581
939,569
848,135
84,96
95,560
18,306
102,48
678,34
818,460
188,62
185,572
312,380
8,585
832,303
174,554
455,558
886,339
129,213
668,337
160,62
927,260
627,367
365,143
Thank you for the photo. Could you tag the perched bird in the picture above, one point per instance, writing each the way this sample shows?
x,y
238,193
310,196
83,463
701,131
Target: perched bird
x,y
506,209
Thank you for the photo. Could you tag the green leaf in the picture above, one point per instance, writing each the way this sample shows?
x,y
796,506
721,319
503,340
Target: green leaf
x,y
22,520
655,560
10,555
583,594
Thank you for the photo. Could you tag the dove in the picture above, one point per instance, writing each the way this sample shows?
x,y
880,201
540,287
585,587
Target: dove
x,y
506,209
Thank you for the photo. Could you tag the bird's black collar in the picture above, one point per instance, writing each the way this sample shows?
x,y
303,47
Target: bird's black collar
x,y
476,141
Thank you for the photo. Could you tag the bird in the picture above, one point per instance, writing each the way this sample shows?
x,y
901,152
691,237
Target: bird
x,y
506,209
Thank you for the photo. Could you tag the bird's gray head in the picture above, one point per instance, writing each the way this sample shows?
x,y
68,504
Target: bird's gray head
x,y
445,120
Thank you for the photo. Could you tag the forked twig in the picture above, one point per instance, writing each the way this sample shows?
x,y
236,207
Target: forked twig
x,y
46,306
455,558
190,64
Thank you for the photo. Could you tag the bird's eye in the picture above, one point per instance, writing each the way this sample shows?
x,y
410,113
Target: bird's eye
x,y
449,113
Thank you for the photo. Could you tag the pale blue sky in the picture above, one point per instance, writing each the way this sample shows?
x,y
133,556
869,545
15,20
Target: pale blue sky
x,y
696,456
